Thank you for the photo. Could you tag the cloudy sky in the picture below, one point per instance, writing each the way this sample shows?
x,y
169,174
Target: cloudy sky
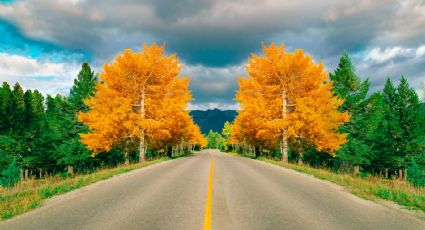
x,y
43,42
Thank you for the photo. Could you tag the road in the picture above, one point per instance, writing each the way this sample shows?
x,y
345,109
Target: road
x,y
246,194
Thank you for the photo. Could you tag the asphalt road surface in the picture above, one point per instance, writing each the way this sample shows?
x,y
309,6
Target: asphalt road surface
x,y
246,194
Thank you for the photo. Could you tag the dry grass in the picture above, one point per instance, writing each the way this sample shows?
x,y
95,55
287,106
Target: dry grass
x,y
30,194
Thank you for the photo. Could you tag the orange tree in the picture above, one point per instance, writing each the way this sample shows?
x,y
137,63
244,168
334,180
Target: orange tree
x,y
140,98
287,97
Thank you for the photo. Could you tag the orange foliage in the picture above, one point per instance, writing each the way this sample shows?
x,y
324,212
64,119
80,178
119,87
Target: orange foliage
x,y
287,96
140,97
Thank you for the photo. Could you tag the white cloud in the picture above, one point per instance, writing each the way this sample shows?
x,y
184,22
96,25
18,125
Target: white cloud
x,y
393,62
378,55
15,65
420,51
47,77
212,105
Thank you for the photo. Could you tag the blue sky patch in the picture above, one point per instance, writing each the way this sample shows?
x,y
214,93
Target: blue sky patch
x,y
13,41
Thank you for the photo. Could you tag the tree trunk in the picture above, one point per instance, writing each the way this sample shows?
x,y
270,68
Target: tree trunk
x,y
142,153
40,173
21,173
142,144
26,174
386,173
284,141
284,147
400,174
405,174
126,158
300,157
356,170
70,169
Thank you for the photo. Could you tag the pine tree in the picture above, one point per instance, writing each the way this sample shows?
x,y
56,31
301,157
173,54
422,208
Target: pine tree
x,y
5,107
83,87
347,85
29,108
402,136
17,109
345,80
71,151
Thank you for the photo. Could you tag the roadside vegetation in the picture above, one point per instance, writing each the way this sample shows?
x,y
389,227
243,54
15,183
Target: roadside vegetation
x,y
29,194
50,145
105,120
372,143
335,123
369,187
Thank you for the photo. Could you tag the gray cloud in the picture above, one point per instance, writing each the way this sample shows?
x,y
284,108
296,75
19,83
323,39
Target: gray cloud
x,y
215,37
213,87
216,33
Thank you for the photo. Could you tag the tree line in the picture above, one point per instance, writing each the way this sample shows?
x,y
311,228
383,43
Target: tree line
x,y
292,110
134,110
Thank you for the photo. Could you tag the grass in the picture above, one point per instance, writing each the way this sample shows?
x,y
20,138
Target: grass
x,y
370,187
30,194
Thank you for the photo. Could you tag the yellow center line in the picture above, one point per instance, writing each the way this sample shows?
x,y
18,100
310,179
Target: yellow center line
x,y
208,205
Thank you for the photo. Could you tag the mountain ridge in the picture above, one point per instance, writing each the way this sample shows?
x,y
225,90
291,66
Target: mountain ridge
x,y
212,119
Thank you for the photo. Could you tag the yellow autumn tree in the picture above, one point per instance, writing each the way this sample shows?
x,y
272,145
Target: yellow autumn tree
x,y
287,97
139,96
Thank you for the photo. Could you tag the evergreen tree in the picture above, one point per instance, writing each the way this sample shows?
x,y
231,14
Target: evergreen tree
x,y
71,151
17,109
412,121
390,131
345,80
38,105
5,103
10,148
364,113
29,108
83,87
401,134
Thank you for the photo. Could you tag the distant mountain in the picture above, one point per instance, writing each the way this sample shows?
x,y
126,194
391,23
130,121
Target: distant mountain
x,y
212,119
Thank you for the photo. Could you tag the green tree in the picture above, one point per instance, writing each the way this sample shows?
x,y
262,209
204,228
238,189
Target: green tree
x,y
71,152
402,136
17,109
364,112
83,87
226,132
5,107
215,140
345,80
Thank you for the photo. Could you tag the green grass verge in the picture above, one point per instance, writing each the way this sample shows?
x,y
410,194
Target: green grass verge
x,y
30,194
370,187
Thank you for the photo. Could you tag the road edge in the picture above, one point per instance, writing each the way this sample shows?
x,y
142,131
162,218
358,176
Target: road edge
x,y
405,210
85,188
